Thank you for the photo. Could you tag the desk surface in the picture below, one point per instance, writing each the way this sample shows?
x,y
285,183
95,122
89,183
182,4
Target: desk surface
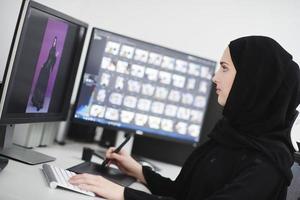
x,y
20,181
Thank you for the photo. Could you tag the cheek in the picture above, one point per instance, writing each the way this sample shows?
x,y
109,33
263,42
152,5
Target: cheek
x,y
222,98
227,88
227,85
226,92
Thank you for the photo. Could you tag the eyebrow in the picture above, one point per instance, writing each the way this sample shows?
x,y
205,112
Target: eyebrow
x,y
223,62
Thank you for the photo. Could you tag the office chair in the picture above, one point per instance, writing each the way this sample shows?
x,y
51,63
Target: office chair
x,y
294,189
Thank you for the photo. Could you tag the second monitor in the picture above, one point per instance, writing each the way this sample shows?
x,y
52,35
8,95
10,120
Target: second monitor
x,y
141,87
40,74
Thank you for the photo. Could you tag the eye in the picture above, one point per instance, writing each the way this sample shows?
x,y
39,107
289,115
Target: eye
x,y
224,68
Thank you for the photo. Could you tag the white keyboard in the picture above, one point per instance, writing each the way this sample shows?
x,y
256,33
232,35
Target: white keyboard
x,y
58,177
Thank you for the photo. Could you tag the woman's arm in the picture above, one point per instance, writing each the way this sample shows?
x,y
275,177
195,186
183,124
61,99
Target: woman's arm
x,y
158,184
260,181
99,185
109,190
131,194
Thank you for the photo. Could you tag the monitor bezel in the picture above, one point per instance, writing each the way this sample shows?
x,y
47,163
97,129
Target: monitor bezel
x,y
14,53
120,128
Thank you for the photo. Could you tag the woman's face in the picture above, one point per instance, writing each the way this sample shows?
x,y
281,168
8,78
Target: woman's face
x,y
224,77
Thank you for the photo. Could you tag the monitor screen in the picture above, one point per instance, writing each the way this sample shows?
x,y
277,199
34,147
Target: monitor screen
x,y
142,87
42,66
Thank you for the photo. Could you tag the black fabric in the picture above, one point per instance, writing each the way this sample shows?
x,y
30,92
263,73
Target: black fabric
x,y
215,172
261,107
138,195
163,187
40,89
250,153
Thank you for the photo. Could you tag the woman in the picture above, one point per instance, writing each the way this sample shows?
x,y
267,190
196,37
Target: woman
x,y
40,89
249,154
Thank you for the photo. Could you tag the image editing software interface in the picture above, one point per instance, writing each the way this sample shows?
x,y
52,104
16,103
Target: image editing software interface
x,y
40,73
134,85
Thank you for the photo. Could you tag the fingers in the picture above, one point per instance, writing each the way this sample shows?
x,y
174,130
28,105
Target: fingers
x,y
118,156
85,179
91,188
109,152
98,185
88,182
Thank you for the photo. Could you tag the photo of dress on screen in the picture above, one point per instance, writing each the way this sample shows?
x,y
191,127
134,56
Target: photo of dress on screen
x,y
39,93
47,67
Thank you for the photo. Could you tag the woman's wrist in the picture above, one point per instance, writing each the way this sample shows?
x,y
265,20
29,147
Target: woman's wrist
x,y
139,174
122,192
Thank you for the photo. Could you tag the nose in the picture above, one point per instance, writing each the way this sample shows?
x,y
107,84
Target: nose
x,y
215,76
214,80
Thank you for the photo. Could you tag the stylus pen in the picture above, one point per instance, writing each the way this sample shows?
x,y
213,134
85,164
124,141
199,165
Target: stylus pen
x,y
105,162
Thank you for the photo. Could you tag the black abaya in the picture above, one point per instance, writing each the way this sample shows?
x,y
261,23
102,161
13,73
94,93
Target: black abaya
x,y
42,81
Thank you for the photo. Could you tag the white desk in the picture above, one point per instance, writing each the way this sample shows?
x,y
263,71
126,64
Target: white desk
x,y
20,181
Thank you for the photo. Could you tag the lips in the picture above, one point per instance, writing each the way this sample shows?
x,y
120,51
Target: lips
x,y
218,90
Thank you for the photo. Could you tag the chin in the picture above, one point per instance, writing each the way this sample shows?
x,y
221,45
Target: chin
x,y
221,101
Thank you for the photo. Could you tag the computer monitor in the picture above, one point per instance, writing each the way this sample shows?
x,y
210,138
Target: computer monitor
x,y
139,87
40,72
173,151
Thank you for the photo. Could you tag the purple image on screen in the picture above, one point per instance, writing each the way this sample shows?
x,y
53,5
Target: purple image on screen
x,y
47,67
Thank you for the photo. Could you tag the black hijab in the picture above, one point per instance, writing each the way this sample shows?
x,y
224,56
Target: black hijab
x,y
261,106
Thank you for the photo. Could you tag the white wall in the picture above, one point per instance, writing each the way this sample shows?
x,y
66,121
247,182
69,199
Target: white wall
x,y
200,27
9,11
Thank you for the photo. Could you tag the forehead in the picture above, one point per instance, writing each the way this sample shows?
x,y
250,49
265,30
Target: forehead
x,y
226,55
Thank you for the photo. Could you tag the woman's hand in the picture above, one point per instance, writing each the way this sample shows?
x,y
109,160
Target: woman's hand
x,y
99,186
126,163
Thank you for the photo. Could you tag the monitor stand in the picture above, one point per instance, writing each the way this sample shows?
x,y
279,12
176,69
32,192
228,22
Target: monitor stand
x,y
10,150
